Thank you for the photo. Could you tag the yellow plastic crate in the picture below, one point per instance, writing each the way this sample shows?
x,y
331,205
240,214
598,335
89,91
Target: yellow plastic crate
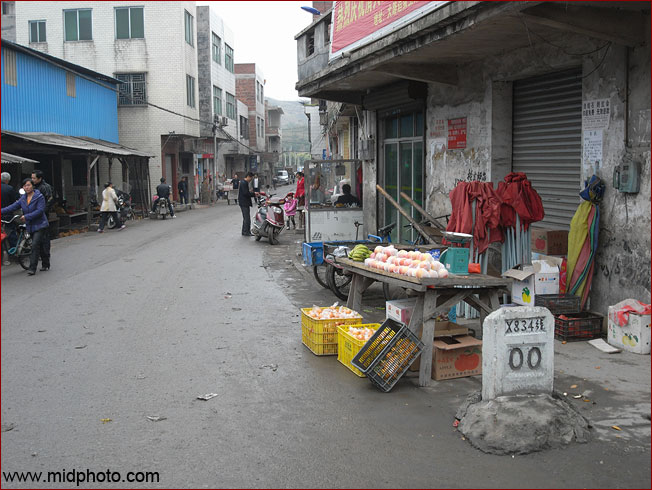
x,y
348,346
320,336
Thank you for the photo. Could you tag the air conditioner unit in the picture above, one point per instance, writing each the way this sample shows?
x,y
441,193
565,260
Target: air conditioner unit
x,y
225,121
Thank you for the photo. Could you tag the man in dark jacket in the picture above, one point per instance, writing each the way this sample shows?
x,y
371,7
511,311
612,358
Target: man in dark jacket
x,y
244,200
183,190
9,196
44,188
163,192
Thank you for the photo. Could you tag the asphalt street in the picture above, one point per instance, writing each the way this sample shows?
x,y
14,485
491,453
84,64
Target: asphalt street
x,y
138,323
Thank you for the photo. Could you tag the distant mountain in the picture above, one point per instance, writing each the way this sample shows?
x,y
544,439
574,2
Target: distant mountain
x,y
294,124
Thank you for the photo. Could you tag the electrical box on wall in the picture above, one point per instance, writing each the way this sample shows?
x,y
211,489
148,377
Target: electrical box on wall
x,y
367,149
626,177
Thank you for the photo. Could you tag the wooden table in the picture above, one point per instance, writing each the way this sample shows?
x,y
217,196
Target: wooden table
x,y
433,297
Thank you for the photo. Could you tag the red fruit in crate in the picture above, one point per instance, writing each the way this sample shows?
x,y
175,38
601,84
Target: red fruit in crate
x,y
540,244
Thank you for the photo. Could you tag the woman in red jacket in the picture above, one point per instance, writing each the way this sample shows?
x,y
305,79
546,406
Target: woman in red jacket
x,y
301,190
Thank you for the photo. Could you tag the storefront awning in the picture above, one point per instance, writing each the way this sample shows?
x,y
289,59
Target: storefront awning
x,y
9,158
77,142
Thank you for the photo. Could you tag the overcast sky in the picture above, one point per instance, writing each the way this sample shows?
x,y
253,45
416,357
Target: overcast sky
x,y
264,34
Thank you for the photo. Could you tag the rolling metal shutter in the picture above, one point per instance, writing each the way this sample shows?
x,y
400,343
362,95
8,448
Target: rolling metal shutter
x,y
547,141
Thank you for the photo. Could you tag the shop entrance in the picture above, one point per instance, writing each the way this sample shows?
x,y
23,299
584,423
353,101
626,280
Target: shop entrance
x,y
403,169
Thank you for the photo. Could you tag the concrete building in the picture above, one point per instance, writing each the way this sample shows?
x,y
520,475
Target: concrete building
x,y
217,97
463,91
250,89
156,49
273,137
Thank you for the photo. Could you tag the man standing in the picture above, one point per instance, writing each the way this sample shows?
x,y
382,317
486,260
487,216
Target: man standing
x,y
244,200
44,188
235,182
256,184
182,186
163,192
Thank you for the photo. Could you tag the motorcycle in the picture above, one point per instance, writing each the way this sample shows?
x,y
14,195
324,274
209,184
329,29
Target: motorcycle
x,y
269,220
162,208
124,208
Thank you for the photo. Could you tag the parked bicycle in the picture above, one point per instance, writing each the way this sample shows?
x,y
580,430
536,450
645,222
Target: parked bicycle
x,y
23,249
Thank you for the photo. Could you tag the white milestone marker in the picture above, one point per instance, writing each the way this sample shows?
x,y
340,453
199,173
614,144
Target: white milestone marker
x,y
517,352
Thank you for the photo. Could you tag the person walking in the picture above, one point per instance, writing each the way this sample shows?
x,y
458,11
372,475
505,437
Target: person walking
x,y
256,183
33,205
244,200
182,187
235,182
109,201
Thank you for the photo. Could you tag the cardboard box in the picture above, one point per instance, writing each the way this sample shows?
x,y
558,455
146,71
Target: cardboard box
x,y
456,357
400,310
542,277
442,329
633,336
549,242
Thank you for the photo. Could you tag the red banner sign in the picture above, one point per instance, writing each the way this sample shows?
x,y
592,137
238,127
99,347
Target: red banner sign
x,y
457,133
355,21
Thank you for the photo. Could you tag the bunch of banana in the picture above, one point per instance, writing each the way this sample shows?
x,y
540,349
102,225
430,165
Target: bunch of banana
x,y
359,253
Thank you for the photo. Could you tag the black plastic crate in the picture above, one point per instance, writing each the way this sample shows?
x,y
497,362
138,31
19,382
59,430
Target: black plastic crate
x,y
578,326
388,354
559,303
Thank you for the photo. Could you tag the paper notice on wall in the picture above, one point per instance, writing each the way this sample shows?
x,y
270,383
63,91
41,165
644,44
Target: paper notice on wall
x,y
592,150
595,114
439,135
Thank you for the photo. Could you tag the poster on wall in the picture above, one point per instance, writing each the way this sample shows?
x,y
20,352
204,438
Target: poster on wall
x,y
592,150
595,114
457,133
438,135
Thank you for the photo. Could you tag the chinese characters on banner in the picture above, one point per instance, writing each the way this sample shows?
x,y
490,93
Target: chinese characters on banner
x,y
457,133
354,21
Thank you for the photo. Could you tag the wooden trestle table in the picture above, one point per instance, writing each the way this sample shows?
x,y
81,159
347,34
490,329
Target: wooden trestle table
x,y
433,297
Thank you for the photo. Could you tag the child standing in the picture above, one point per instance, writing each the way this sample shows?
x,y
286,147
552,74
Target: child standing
x,y
290,208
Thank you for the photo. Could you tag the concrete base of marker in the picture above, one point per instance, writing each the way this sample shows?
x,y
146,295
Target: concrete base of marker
x,y
521,424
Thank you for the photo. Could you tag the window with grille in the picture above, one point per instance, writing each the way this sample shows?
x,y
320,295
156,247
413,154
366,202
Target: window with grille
x,y
129,23
190,29
310,43
230,106
37,31
132,90
217,49
217,101
190,91
78,25
228,58
244,127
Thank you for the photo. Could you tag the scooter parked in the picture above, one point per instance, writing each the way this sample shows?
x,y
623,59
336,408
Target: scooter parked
x,y
270,219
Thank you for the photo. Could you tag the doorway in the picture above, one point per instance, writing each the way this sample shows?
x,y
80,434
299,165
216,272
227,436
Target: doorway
x,y
403,169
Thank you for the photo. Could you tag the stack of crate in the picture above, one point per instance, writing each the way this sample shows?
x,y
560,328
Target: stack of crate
x,y
570,322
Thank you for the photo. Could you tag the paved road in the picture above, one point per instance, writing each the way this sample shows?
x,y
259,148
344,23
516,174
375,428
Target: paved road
x,y
140,322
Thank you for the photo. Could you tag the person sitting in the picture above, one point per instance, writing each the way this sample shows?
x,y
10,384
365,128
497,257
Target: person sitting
x,y
348,199
163,192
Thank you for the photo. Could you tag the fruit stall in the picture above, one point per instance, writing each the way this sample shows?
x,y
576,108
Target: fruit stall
x,y
327,220
385,352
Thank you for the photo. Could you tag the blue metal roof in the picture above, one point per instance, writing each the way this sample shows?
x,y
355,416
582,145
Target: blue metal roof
x,y
39,101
